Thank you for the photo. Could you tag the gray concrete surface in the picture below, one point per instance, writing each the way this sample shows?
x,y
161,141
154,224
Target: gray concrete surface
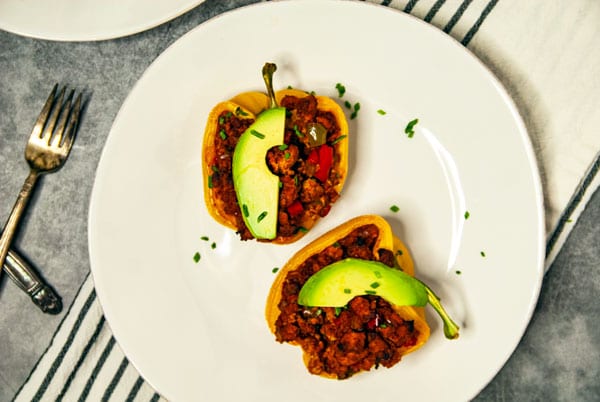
x,y
558,358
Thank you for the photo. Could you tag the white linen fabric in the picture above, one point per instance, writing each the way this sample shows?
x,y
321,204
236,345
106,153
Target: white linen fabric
x,y
545,55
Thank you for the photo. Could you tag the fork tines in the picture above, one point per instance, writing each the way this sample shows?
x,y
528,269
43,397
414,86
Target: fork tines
x,y
55,110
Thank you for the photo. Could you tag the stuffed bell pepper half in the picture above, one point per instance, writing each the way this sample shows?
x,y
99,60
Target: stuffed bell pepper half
x,y
274,163
349,299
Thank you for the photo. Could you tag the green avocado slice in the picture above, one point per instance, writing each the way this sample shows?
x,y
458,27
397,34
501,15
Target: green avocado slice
x,y
336,284
256,188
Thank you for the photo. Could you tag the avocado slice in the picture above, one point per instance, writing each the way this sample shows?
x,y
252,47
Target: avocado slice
x,y
336,284
257,189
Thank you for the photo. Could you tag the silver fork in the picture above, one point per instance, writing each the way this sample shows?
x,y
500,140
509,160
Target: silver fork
x,y
47,149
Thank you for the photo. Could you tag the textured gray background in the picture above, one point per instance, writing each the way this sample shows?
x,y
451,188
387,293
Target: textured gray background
x,y
558,358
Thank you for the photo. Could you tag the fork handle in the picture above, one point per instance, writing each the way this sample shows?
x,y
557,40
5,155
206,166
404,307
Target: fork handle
x,y
26,278
15,215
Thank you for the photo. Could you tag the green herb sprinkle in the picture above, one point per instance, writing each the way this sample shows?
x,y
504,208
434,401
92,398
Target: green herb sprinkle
x,y
262,216
257,134
240,112
338,139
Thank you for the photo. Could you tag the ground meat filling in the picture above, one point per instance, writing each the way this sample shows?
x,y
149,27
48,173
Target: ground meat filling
x,y
341,342
303,195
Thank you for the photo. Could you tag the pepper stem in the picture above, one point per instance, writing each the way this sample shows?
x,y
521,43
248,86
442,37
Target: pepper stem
x,y
267,72
450,327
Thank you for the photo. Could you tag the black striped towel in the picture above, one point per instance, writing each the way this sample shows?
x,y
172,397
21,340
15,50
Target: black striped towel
x,y
540,50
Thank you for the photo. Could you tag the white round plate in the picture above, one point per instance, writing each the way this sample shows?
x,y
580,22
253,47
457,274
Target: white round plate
x,y
196,331
87,20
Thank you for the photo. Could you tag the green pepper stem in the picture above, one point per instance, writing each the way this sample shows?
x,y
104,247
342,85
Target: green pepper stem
x,y
450,327
267,72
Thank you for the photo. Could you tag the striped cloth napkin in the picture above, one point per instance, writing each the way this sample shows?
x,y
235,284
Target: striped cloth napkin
x,y
546,56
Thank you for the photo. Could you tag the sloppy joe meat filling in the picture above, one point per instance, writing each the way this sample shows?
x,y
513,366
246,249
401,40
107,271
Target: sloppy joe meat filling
x,y
305,193
341,342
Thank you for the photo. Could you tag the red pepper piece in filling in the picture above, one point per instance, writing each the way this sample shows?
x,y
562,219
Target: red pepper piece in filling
x,y
313,157
295,208
325,162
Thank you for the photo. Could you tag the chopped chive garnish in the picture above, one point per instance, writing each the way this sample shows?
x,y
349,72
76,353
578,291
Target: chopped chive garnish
x,y
318,312
338,311
283,147
228,115
287,155
245,210
205,238
378,274
482,253
394,208
337,245
409,130
280,184
370,292
215,168
338,139
223,135
356,108
210,182
399,252
347,291
274,270
298,132
197,257
384,325
262,216
341,89
374,285
302,229
290,87
221,120
296,180
348,104
257,134
381,112
467,214
240,112
213,245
